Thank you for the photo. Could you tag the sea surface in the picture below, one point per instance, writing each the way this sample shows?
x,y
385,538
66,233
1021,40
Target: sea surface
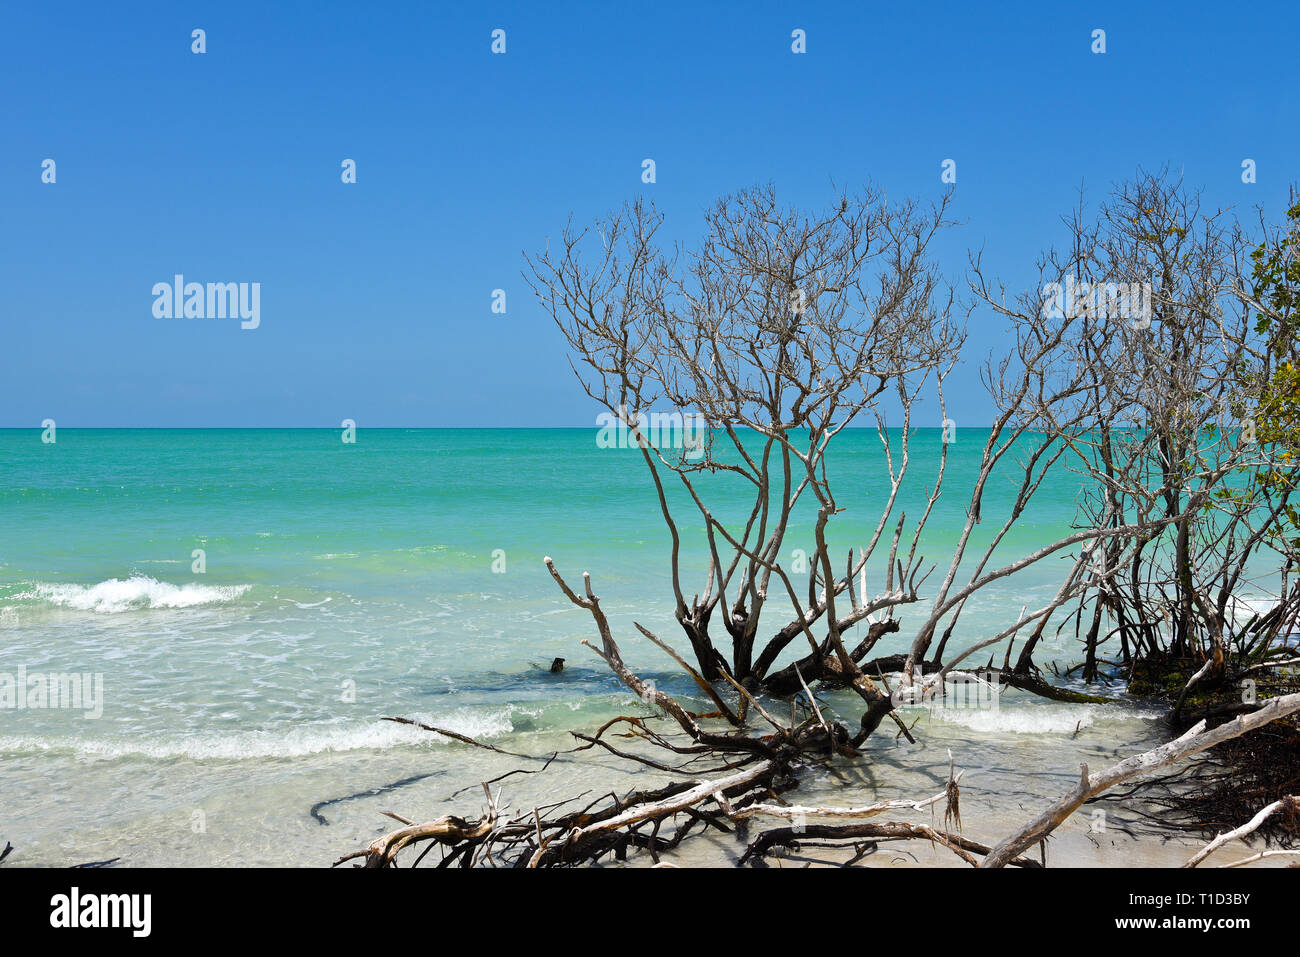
x,y
256,602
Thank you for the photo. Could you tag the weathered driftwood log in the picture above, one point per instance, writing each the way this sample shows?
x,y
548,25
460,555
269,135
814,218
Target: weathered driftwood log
x,y
573,842
1261,855
887,831
448,829
799,811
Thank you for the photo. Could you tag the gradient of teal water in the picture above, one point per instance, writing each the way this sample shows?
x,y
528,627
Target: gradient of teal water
x,y
334,568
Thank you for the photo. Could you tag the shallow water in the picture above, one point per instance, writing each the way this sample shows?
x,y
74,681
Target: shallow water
x,y
403,576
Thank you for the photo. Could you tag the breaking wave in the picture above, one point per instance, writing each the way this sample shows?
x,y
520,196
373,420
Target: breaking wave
x,y
253,745
1034,720
136,592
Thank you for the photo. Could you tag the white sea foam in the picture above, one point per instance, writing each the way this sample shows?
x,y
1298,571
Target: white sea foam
x,y
1061,719
136,592
254,745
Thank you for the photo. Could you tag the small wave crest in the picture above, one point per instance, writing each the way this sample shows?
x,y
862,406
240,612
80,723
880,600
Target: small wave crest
x,y
1033,720
136,592
253,745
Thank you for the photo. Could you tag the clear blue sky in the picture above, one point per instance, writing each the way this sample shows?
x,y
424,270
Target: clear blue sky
x,y
376,296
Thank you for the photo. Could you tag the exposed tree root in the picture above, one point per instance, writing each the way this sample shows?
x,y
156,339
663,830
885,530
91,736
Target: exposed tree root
x,y
1197,739
1226,787
749,770
1287,807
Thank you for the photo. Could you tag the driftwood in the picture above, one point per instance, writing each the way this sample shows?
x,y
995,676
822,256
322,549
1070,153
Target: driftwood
x,y
531,840
1289,805
754,769
448,830
888,831
1195,740
1261,856
758,768
658,820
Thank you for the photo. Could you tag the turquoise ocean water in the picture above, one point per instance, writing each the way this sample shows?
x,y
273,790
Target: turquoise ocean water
x,y
402,575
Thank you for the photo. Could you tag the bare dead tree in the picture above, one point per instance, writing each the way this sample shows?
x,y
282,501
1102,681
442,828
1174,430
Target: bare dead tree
x,y
781,327
1142,383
